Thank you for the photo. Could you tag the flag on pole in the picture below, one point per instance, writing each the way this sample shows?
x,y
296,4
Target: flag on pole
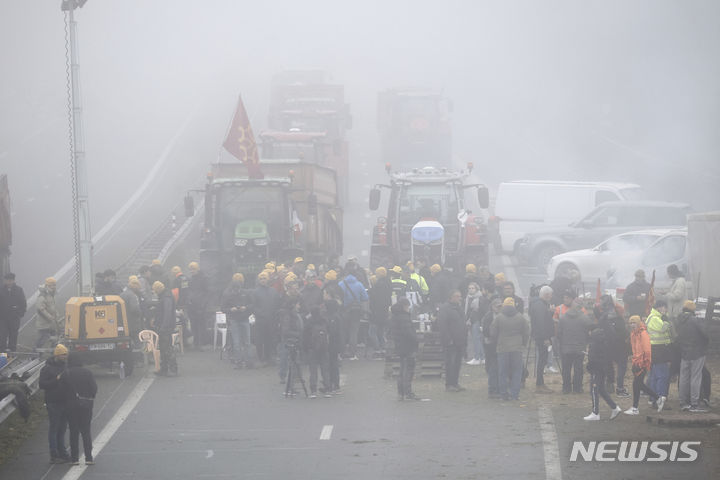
x,y
598,294
240,142
651,296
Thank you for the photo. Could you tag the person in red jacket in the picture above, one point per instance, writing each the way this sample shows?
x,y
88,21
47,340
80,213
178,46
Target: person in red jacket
x,y
641,360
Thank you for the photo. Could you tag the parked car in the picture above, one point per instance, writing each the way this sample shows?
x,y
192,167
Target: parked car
x,y
524,206
671,248
604,221
596,262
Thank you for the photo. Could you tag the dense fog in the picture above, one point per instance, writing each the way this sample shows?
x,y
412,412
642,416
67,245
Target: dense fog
x,y
600,90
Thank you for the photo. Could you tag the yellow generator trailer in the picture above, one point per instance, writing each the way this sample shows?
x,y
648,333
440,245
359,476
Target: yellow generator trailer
x,y
96,328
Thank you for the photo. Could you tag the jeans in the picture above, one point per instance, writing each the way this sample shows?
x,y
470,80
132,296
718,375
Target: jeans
x,y
79,419
477,338
690,380
57,415
376,336
572,364
240,332
597,389
491,368
352,327
168,362
510,370
407,371
453,359
638,385
542,358
659,378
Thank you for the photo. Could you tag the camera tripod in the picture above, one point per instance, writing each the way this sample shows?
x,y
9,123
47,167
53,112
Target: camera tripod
x,y
293,366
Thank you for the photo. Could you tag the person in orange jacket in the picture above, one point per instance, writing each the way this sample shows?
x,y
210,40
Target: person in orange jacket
x,y
641,360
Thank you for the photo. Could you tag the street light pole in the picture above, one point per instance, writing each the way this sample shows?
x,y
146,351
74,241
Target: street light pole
x,y
81,206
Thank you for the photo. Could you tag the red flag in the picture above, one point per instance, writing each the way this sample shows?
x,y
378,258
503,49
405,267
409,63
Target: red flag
x,y
651,296
240,141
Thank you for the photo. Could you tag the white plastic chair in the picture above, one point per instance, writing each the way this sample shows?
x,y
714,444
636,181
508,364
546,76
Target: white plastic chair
x,y
220,328
150,341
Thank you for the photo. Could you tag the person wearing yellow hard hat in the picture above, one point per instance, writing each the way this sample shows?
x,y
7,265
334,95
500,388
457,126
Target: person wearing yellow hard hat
x,y
440,284
131,297
180,286
196,303
236,303
417,278
510,331
266,303
380,300
49,321
55,403
471,276
165,326
298,267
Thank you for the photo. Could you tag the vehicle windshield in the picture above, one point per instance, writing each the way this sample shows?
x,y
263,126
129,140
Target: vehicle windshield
x,y
665,251
625,243
417,113
304,150
234,204
634,193
437,201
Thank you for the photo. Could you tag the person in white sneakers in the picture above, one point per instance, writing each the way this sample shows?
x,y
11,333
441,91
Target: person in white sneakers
x,y
598,355
641,361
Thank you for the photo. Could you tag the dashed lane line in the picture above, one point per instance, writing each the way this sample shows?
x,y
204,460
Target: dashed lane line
x,y
551,451
113,425
326,432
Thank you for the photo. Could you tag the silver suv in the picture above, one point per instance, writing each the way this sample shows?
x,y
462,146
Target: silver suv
x,y
602,222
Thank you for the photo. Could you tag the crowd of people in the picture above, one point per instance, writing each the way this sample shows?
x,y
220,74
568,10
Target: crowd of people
x,y
301,316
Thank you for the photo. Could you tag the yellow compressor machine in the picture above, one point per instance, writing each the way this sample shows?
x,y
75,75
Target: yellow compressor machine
x,y
96,328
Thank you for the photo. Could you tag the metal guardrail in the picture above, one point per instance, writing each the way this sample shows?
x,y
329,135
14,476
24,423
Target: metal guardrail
x,y
7,404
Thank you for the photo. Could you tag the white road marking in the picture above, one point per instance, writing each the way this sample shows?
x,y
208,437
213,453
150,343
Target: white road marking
x,y
326,432
113,425
550,444
209,454
510,274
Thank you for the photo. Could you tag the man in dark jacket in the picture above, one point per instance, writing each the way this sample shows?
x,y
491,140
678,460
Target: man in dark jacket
x,y
635,296
331,306
599,355
618,344
79,388
491,360
165,326
12,309
291,328
440,285
573,328
237,304
692,340
511,332
509,291
266,302
542,329
316,345
55,403
406,344
453,335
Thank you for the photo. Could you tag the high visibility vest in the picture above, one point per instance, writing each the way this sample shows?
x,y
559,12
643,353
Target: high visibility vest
x,y
657,330
421,282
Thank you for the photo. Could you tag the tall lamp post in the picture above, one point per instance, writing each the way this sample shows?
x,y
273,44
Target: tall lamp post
x,y
81,207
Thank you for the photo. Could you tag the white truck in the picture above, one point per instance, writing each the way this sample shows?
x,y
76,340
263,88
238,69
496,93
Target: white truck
x,y
703,241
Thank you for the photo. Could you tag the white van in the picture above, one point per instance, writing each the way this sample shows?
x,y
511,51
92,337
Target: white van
x,y
524,206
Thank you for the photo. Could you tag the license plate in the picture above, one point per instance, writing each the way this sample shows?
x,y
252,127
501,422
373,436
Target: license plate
x,y
101,346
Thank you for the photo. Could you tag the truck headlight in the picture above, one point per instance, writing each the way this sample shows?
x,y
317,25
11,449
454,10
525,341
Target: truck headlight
x,y
241,242
260,242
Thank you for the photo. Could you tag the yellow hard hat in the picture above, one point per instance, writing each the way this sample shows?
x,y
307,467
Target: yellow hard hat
x,y
158,287
435,268
470,268
263,275
298,260
60,349
155,262
193,266
238,277
331,275
175,270
397,269
50,281
381,272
